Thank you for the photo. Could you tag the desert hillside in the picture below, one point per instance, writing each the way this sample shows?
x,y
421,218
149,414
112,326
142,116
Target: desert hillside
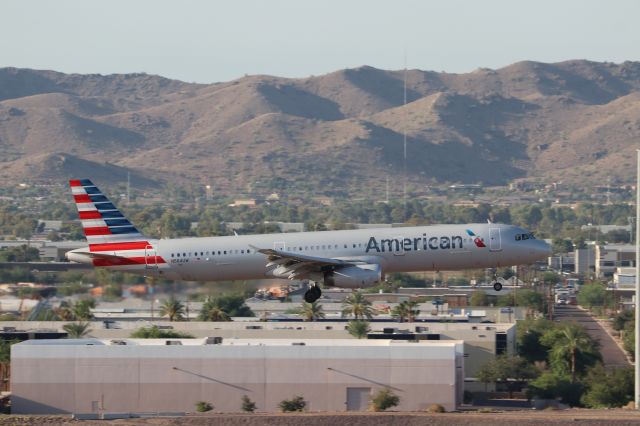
x,y
341,133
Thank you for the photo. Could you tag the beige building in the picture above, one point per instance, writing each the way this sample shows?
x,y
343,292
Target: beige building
x,y
171,375
482,342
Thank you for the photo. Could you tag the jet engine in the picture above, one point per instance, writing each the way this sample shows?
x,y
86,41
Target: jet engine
x,y
358,276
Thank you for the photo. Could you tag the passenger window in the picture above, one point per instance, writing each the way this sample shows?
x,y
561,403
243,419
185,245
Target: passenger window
x,y
248,251
345,246
242,251
225,252
184,254
171,254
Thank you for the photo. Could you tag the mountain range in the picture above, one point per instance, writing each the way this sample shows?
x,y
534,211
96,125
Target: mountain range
x,y
575,122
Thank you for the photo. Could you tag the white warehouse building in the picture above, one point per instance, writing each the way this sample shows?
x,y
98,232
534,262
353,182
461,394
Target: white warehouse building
x,y
171,375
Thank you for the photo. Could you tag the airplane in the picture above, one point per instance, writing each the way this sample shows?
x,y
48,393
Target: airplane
x,y
345,258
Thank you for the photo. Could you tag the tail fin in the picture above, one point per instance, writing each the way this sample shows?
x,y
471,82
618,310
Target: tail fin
x,y
102,222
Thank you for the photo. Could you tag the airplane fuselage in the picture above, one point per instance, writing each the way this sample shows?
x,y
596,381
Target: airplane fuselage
x,y
403,249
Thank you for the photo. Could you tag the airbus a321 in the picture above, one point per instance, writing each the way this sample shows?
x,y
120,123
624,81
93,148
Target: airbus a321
x,y
346,258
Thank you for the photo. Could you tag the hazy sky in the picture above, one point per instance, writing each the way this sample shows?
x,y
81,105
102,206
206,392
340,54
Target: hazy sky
x,y
209,41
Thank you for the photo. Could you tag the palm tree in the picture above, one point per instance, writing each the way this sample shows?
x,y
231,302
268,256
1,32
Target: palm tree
x,y
413,310
401,311
65,311
358,329
172,308
82,309
311,311
573,341
212,312
357,306
76,330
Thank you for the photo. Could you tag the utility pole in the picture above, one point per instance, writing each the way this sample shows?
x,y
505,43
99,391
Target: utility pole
x,y
404,137
128,189
637,349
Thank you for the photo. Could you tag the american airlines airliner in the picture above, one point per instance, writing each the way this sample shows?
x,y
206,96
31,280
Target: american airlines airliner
x,y
348,258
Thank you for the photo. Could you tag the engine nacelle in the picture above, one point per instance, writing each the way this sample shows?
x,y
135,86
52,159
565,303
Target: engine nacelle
x,y
359,276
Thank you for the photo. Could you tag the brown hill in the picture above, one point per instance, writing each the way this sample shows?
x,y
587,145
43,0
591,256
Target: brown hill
x,y
575,121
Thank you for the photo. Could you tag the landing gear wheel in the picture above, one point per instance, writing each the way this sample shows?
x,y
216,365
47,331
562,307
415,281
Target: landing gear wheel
x,y
497,286
312,294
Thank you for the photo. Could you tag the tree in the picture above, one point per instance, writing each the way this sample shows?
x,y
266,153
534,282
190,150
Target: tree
x,y
552,385
172,308
357,306
82,309
234,305
154,332
512,371
608,388
406,311
479,298
620,321
65,311
310,311
358,329
76,330
530,299
528,335
572,349
561,245
400,311
591,295
211,311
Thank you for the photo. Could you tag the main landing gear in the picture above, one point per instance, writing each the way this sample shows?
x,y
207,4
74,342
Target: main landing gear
x,y
497,285
312,294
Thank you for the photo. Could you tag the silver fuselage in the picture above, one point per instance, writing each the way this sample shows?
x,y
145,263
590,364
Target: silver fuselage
x,y
404,249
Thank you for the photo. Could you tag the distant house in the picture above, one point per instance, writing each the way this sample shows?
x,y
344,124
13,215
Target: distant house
x,y
251,202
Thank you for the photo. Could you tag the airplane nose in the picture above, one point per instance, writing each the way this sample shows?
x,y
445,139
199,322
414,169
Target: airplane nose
x,y
544,249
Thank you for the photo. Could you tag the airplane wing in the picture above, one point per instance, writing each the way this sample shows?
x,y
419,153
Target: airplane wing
x,y
297,266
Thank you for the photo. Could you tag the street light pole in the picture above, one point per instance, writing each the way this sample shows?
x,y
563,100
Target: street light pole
x,y
637,345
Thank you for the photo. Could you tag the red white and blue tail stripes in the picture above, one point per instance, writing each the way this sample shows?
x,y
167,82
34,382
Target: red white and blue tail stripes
x,y
113,240
101,221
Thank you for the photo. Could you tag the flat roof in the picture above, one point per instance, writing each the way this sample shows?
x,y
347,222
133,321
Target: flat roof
x,y
239,342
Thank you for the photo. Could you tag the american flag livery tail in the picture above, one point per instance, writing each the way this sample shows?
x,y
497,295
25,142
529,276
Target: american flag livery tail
x,y
113,240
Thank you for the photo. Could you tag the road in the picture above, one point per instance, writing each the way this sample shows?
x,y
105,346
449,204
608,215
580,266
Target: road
x,y
612,355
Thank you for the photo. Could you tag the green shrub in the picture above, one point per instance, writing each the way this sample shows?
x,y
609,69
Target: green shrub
x,y
383,399
203,406
154,332
297,403
248,406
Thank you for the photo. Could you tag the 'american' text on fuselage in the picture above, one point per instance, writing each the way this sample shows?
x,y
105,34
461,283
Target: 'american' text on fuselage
x,y
414,244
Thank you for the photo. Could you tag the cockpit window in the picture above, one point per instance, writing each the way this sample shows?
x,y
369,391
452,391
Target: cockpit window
x,y
528,236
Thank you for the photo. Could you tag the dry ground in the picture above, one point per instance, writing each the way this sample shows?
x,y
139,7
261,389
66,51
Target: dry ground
x,y
519,418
